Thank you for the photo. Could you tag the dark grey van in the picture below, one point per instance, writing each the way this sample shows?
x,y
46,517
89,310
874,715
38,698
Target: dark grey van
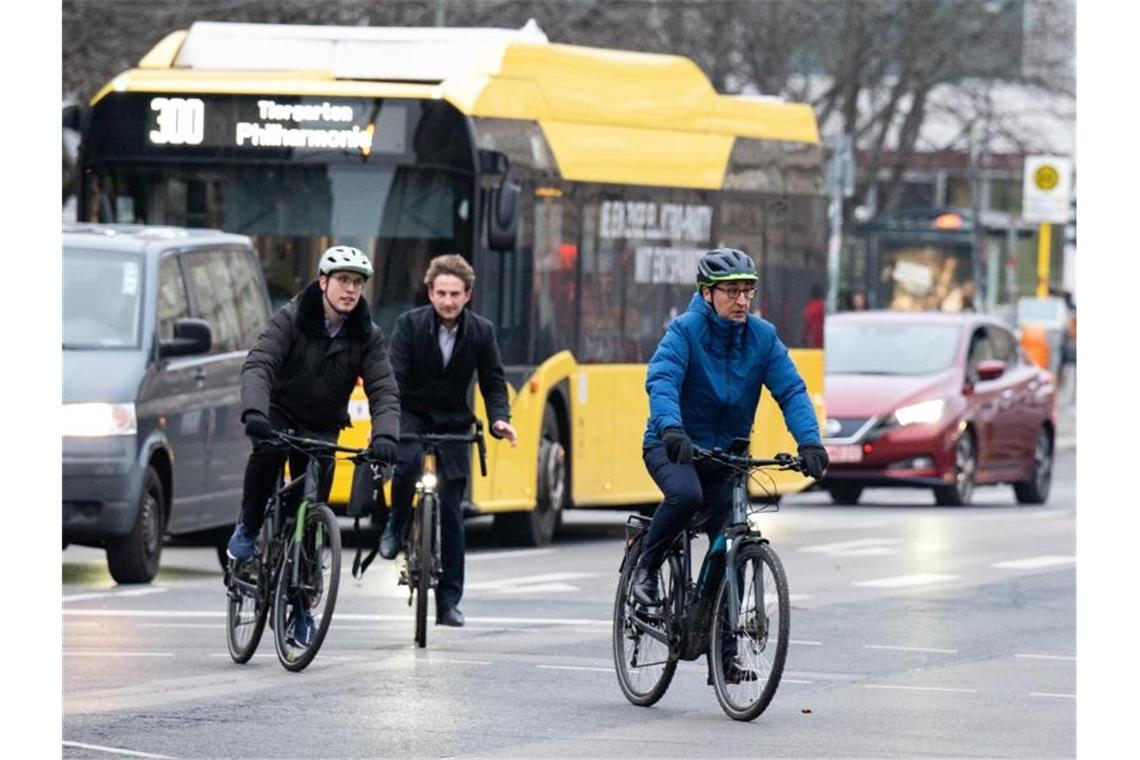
x,y
156,324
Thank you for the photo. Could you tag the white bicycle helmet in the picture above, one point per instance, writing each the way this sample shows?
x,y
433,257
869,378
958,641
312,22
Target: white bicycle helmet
x,y
344,258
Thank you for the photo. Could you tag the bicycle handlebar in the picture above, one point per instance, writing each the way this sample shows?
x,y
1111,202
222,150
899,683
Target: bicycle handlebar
x,y
782,461
476,438
359,456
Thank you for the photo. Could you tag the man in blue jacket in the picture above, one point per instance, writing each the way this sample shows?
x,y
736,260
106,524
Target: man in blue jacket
x,y
704,382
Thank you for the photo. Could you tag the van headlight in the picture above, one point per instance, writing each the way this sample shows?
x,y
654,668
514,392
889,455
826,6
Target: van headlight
x,y
98,420
923,412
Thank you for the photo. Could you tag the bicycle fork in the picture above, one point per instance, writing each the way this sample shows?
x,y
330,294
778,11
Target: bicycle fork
x,y
736,594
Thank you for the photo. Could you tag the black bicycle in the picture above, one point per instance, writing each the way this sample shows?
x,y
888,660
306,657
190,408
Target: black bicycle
x,y
295,570
739,619
421,567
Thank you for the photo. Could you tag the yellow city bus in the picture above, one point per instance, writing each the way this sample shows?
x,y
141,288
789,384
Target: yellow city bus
x,y
582,183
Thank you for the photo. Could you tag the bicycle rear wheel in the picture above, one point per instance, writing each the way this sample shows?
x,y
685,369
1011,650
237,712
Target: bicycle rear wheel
x,y
424,534
247,607
748,653
307,586
643,662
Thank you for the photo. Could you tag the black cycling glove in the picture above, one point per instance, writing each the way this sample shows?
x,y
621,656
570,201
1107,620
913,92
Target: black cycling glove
x,y
257,426
678,447
383,447
815,459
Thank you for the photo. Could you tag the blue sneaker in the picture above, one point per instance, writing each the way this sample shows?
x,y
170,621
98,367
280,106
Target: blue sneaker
x,y
303,628
241,543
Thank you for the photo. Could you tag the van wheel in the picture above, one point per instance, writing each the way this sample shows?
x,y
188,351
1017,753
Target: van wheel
x,y
133,558
537,527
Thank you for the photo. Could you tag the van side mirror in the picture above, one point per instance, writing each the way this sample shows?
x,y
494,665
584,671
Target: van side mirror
x,y
72,116
503,216
191,336
991,369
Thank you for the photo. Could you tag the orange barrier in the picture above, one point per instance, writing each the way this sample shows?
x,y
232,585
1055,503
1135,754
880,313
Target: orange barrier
x,y
1036,345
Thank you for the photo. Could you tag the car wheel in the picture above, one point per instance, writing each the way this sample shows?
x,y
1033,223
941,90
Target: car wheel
x,y
846,495
538,526
134,558
959,493
1036,490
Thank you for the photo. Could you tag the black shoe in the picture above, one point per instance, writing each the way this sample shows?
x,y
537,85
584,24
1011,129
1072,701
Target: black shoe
x,y
734,673
390,542
645,587
449,616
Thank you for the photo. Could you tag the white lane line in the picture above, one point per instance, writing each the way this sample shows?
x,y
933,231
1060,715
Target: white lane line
x,y
1047,657
804,643
1032,563
514,554
213,626
526,584
339,616
902,581
81,624
115,750
862,547
793,680
79,653
1047,694
442,661
574,667
921,688
106,594
910,649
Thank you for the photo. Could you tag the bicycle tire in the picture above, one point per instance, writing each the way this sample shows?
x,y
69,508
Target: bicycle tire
x,y
423,536
627,640
241,651
756,631
319,578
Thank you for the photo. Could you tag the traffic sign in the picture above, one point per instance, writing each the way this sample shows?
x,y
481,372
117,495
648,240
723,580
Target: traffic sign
x,y
1047,189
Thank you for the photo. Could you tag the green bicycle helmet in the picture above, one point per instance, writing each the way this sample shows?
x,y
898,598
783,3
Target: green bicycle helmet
x,y
723,265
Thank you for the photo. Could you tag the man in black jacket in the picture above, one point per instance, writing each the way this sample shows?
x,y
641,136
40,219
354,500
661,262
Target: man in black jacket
x,y
436,350
299,377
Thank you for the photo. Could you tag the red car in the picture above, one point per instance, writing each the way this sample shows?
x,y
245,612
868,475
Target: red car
x,y
940,401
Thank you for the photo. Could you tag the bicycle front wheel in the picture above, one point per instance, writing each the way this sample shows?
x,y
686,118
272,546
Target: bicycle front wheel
x,y
642,660
247,607
424,535
306,589
748,652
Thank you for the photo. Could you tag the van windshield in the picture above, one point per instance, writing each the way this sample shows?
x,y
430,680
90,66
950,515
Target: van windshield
x,y
102,299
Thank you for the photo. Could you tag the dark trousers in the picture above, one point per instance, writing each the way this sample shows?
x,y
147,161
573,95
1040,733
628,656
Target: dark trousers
x,y
688,489
452,539
264,466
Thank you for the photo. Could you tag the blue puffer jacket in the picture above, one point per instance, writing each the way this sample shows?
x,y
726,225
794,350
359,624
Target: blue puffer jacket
x,y
706,376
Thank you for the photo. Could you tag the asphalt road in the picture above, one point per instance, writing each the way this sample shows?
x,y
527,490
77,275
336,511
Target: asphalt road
x,y
917,631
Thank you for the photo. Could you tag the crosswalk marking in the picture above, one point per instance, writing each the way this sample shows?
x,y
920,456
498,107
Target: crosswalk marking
x,y
530,584
1033,563
861,547
116,593
903,581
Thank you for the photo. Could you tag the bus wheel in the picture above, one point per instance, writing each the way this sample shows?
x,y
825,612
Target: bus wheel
x,y
538,526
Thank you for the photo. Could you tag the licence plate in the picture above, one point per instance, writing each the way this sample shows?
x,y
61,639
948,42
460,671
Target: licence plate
x,y
844,454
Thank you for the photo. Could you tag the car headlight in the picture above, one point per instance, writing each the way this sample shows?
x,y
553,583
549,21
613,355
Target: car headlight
x,y
923,412
98,420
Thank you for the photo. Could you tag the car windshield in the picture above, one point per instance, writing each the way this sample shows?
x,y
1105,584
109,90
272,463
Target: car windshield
x,y
102,303
894,348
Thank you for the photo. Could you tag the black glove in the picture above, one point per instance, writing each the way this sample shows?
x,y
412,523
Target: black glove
x,y
257,426
815,459
678,447
383,448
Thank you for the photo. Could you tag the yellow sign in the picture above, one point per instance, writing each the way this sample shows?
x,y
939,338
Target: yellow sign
x,y
1046,177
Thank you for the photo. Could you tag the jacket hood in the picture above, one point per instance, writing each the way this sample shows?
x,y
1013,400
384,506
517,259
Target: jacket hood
x,y
310,317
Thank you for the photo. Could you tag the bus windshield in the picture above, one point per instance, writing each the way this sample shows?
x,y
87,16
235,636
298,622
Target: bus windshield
x,y
102,304
864,348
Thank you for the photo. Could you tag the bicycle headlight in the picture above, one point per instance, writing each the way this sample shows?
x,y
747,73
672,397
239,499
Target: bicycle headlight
x,y
98,420
923,412
429,480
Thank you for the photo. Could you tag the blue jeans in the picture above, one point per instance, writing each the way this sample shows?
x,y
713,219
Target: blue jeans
x,y
688,489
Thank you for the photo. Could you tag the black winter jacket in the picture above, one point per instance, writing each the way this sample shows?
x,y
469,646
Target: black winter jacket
x,y
296,367
437,395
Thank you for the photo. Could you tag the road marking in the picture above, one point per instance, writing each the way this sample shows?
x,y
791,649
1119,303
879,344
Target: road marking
x,y
115,750
78,653
910,649
921,688
213,626
803,643
862,547
574,667
1032,563
513,554
440,661
1046,657
106,594
1047,694
902,581
357,617
528,584
793,680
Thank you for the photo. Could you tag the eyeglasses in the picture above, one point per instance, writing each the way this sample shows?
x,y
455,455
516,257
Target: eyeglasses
x,y
734,294
348,281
